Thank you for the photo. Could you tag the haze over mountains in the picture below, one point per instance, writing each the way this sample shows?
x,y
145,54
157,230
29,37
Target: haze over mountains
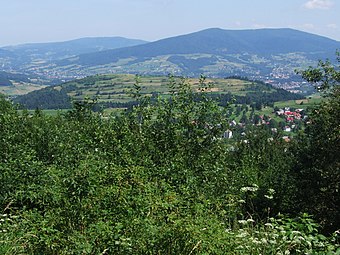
x,y
260,54
57,50
26,53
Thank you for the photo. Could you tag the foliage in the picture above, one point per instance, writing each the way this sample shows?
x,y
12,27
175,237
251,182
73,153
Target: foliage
x,y
156,179
319,165
282,235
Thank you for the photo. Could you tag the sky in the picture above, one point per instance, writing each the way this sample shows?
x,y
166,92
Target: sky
x,y
28,21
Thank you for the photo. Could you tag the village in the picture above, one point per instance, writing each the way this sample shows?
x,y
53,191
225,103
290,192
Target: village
x,y
286,121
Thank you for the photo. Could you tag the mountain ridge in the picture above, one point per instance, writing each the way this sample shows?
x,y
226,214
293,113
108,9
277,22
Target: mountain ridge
x,y
84,42
214,41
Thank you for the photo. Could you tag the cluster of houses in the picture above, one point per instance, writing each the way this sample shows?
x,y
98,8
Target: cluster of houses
x,y
290,116
290,121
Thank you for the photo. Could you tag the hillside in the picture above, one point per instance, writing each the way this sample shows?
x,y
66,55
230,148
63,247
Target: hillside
x,y
114,91
5,53
7,78
219,42
13,84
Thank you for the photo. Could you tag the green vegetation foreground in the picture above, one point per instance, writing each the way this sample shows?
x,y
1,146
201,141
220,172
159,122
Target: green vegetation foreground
x,y
159,179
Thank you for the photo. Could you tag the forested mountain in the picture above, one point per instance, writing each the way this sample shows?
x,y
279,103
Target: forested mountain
x,y
215,41
215,52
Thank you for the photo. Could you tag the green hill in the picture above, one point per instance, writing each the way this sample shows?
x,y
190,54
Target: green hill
x,y
114,91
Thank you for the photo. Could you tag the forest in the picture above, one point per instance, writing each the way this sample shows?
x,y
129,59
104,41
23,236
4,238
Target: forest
x,y
7,78
159,178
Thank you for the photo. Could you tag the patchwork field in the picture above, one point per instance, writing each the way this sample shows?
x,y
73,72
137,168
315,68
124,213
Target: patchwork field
x,y
116,91
117,88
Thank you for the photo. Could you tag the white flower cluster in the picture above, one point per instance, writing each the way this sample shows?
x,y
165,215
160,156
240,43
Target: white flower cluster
x,y
252,188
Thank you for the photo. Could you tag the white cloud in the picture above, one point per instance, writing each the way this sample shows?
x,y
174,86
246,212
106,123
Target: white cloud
x,y
238,23
257,25
332,26
318,4
308,26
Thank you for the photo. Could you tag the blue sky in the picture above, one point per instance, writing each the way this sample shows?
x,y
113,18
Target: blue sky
x,y
24,21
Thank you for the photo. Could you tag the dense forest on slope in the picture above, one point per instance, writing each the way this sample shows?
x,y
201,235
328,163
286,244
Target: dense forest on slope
x,y
7,78
160,179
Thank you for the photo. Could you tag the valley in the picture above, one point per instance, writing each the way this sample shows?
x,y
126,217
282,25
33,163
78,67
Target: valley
x,y
269,55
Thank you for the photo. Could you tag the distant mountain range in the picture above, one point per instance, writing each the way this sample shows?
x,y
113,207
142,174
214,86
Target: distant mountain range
x,y
25,54
25,61
74,47
259,54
